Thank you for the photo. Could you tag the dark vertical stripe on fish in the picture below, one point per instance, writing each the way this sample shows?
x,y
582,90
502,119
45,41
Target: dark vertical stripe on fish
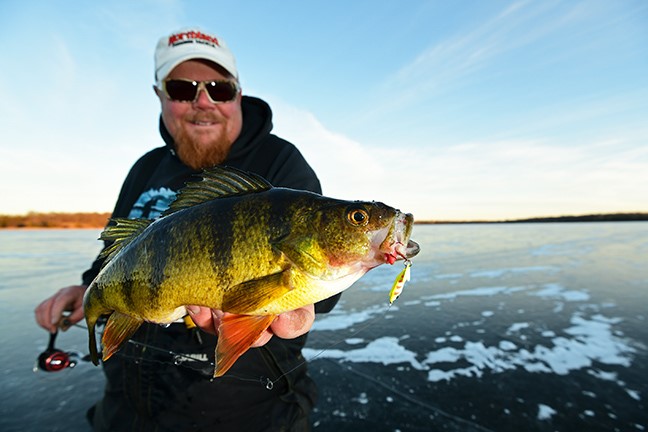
x,y
220,230
277,225
128,284
157,256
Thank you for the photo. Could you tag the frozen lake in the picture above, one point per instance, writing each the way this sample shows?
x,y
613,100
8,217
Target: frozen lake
x,y
535,327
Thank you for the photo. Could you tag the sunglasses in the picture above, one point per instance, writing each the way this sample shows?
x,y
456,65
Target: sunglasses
x,y
184,90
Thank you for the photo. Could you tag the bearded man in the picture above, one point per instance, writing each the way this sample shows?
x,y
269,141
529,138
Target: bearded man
x,y
205,121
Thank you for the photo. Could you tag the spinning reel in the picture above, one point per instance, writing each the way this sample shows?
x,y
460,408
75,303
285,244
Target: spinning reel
x,y
54,359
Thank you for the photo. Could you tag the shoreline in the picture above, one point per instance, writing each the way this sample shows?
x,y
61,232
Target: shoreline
x,y
48,221
51,228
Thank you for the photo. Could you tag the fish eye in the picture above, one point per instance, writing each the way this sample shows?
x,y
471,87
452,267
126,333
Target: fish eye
x,y
358,217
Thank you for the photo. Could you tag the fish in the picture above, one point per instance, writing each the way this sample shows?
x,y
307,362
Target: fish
x,y
232,241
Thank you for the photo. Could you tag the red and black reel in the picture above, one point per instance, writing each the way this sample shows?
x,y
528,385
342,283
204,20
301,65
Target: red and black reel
x,y
54,359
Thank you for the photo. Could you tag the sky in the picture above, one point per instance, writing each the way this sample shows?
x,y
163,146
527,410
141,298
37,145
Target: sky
x,y
460,110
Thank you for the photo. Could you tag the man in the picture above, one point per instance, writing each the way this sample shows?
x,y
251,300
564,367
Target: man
x,y
160,381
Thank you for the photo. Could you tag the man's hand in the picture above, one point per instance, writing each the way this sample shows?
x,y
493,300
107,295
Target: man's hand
x,y
50,311
288,325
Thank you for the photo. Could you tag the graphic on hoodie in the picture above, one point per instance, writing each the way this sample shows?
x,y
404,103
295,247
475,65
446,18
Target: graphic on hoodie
x,y
152,203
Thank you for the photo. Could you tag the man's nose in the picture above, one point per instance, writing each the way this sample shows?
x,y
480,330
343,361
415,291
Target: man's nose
x,y
203,100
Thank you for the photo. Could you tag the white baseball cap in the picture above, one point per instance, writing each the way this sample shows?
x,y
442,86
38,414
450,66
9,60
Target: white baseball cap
x,y
191,43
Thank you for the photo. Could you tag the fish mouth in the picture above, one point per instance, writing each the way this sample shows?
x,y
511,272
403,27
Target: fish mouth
x,y
411,250
401,251
397,244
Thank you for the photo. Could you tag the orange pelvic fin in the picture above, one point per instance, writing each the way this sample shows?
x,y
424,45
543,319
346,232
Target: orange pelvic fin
x,y
236,334
119,328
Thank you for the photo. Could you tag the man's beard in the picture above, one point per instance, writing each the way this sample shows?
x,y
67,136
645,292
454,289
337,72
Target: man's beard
x,y
200,156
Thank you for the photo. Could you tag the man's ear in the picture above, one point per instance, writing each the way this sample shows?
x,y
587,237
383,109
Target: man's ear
x,y
157,91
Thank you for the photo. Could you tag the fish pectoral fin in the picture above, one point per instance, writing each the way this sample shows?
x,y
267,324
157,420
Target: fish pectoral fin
x,y
119,328
252,295
236,334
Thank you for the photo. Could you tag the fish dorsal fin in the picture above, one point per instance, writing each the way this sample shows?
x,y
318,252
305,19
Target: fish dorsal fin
x,y
217,182
120,234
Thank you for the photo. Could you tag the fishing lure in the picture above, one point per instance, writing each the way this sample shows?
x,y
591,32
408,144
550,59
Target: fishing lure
x,y
399,283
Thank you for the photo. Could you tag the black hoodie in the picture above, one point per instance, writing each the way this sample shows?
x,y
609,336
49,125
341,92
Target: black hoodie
x,y
145,389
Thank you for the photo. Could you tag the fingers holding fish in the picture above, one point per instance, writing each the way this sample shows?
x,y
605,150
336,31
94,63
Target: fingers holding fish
x,y
288,325
292,324
206,318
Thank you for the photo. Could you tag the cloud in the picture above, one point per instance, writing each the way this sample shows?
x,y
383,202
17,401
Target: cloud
x,y
452,62
526,53
498,179
345,166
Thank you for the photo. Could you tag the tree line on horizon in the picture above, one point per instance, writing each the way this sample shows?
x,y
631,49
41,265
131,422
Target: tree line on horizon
x,y
55,220
602,217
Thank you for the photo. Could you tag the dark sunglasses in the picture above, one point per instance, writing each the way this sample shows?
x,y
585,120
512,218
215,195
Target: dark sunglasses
x,y
184,90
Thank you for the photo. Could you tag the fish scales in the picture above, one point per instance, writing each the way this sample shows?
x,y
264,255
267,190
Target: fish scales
x,y
224,247
235,243
199,256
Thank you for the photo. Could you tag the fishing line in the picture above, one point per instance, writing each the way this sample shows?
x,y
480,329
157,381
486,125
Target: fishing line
x,y
411,399
333,344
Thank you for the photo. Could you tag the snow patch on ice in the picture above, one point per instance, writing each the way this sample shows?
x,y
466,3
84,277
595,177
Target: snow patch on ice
x,y
497,273
547,291
362,399
516,327
448,276
588,341
338,319
476,292
545,412
633,394
507,345
554,290
385,350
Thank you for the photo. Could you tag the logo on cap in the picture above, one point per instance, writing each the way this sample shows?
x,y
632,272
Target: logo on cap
x,y
193,37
